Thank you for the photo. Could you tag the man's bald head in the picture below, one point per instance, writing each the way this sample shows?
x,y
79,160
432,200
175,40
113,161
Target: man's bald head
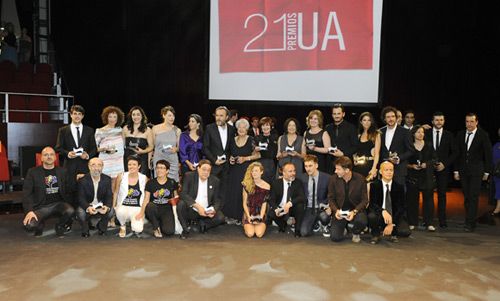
x,y
48,157
95,167
387,171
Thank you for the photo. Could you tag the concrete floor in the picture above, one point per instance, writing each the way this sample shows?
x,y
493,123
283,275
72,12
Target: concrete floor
x,y
224,265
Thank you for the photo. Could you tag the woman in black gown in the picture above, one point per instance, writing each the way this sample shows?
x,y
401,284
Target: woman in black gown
x,y
242,153
368,151
138,139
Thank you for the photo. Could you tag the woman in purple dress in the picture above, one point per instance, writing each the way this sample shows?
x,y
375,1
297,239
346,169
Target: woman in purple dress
x,y
190,144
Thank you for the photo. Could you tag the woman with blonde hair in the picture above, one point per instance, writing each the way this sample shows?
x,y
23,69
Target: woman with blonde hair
x,y
317,140
255,195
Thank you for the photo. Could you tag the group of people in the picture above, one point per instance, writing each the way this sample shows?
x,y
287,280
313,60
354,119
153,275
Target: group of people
x,y
323,180
14,49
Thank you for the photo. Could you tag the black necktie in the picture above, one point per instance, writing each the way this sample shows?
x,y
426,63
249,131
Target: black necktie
x,y
388,201
314,196
437,140
467,140
78,137
289,192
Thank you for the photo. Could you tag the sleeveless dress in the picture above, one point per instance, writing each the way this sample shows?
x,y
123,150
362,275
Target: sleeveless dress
x,y
297,161
318,142
364,149
233,204
163,141
268,156
113,162
255,202
130,144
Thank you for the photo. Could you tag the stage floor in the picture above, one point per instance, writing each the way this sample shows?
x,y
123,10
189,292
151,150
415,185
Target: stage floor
x,y
224,265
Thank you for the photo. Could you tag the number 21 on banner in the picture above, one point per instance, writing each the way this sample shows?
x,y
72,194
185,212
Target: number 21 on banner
x,y
293,32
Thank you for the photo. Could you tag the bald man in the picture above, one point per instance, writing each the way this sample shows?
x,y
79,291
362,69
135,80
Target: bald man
x,y
95,198
45,195
387,212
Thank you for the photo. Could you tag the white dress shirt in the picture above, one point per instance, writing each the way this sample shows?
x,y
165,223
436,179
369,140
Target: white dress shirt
x,y
202,196
389,135
285,193
434,131
470,138
74,132
223,135
384,187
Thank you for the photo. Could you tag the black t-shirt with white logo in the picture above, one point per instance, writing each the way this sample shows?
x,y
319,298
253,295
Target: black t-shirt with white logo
x,y
161,193
52,183
133,197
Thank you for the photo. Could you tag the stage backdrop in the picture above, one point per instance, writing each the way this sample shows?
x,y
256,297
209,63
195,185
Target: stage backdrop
x,y
304,50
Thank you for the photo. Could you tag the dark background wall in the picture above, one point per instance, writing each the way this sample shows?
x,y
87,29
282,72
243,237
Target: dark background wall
x,y
436,55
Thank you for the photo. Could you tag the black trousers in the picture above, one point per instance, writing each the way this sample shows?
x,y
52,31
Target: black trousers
x,y
442,187
186,214
338,226
310,218
59,209
161,216
84,219
471,187
412,204
297,211
221,172
377,225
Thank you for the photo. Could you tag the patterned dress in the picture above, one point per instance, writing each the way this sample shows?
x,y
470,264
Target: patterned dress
x,y
113,162
163,142
255,201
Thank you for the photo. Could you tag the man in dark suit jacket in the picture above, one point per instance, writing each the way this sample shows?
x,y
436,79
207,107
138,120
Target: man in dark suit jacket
x,y
76,145
473,164
316,192
45,195
91,204
287,199
387,215
216,142
395,140
445,153
347,193
200,199
343,136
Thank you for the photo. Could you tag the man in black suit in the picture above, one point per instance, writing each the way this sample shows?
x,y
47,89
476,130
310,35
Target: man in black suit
x,y
45,195
396,145
387,212
216,142
287,199
95,198
200,199
76,145
348,198
472,165
343,135
445,153
316,212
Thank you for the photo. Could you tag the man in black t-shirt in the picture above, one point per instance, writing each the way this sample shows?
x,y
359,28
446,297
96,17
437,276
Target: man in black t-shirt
x,y
45,195
160,193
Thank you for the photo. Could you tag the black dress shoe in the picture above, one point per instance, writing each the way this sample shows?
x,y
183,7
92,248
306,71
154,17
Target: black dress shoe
x,y
443,226
468,228
85,234
101,233
60,230
282,229
203,229
184,235
297,235
38,232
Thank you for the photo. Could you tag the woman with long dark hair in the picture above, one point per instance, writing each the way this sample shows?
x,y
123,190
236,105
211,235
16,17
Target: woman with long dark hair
x,y
191,144
138,138
368,152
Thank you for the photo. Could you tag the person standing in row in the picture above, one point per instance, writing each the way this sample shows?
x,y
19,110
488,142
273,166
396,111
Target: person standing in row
x,y
291,146
367,155
166,141
109,141
316,139
342,136
138,139
267,145
473,165
191,144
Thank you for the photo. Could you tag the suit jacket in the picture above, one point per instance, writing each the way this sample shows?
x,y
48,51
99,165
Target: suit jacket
x,y
347,139
34,187
397,199
447,151
86,191
66,143
478,159
357,192
400,144
297,193
321,187
212,143
190,190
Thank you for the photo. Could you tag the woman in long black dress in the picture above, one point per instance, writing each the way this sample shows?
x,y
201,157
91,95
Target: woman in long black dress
x,y
419,178
242,153
266,143
317,140
138,138
368,152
